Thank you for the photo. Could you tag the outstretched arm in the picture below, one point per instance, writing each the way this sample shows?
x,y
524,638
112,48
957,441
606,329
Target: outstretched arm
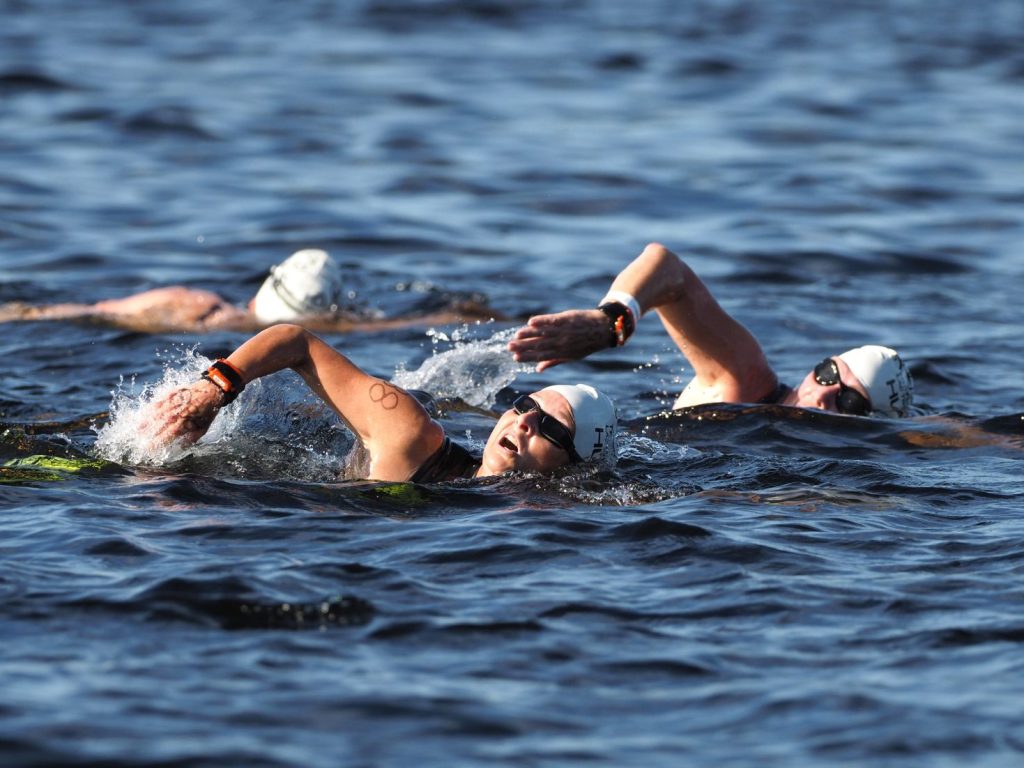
x,y
172,308
728,363
393,426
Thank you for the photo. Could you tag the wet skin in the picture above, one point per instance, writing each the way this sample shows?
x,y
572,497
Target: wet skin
x,y
515,442
811,394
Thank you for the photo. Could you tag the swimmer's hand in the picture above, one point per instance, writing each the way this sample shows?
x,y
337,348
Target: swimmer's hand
x,y
553,339
182,415
15,310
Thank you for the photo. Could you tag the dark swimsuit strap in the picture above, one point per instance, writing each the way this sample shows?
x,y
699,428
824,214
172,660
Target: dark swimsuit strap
x,y
449,462
777,395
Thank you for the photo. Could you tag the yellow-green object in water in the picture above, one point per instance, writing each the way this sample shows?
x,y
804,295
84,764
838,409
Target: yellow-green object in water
x,y
408,493
39,467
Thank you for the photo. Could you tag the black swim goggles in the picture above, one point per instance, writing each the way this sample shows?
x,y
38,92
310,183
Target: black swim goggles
x,y
849,401
549,427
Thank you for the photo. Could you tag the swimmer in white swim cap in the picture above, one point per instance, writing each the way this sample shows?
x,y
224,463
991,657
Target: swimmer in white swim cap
x,y
578,421
547,429
306,287
729,365
306,284
884,375
862,381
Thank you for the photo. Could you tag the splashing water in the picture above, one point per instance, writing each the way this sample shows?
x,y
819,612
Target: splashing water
x,y
124,438
474,371
640,448
275,427
267,411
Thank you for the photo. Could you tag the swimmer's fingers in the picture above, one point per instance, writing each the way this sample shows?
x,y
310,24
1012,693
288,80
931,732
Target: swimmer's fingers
x,y
543,365
184,414
15,310
559,321
166,419
553,339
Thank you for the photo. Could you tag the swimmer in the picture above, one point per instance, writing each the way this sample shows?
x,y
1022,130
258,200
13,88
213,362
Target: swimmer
x,y
729,364
548,429
306,287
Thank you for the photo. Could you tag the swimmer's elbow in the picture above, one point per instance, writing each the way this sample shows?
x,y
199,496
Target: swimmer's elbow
x,y
287,328
663,261
659,252
666,277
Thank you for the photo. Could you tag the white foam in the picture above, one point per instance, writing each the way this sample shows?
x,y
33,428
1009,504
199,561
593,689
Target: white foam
x,y
276,427
641,448
125,438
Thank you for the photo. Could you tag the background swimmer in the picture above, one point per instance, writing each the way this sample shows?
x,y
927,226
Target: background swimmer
x,y
729,364
306,287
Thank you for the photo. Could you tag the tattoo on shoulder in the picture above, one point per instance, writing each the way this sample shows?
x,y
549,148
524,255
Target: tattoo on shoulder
x,y
386,396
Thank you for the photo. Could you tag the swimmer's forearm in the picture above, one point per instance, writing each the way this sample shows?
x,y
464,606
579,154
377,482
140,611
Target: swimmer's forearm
x,y
187,412
661,281
657,279
714,342
287,346
392,424
271,350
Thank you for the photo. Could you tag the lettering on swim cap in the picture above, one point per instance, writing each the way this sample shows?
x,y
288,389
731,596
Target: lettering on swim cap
x,y
884,375
899,388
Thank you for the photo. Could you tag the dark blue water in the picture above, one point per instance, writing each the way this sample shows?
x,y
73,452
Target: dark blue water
x,y
752,586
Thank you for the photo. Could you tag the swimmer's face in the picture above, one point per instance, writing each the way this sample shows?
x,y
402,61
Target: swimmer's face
x,y
517,444
813,394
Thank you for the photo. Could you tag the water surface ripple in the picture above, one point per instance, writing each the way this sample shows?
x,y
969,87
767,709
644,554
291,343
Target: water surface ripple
x,y
751,586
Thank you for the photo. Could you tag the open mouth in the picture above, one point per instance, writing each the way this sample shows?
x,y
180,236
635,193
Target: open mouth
x,y
508,445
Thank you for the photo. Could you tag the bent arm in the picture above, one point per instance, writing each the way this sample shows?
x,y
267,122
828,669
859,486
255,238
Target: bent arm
x,y
393,426
729,364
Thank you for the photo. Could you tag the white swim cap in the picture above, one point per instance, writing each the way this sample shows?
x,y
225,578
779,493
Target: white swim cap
x,y
884,376
306,283
594,414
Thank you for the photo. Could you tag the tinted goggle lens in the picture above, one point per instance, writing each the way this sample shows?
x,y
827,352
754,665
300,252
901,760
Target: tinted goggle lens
x,y
852,402
550,428
826,372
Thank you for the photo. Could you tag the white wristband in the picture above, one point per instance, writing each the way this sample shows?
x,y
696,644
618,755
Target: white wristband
x,y
621,297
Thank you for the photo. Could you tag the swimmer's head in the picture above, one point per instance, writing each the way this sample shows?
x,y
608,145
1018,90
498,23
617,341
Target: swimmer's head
x,y
885,377
307,283
551,428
